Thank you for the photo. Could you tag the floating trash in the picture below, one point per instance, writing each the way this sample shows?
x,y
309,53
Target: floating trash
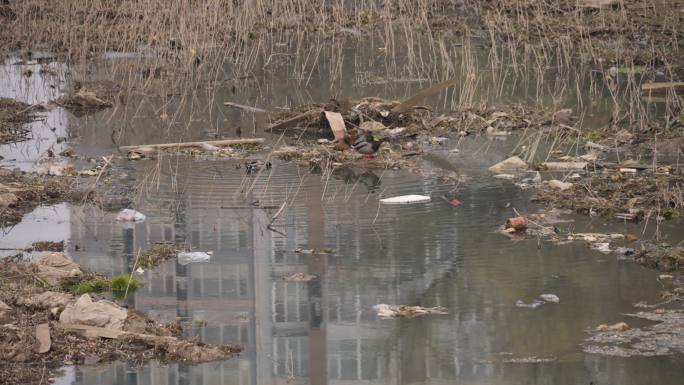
x,y
130,215
405,199
396,311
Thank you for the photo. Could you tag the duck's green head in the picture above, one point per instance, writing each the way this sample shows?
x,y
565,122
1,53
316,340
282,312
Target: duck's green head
x,y
370,138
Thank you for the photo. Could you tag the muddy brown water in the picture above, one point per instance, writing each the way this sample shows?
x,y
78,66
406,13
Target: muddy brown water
x,y
325,331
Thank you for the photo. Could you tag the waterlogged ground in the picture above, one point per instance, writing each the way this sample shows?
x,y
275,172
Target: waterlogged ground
x,y
325,331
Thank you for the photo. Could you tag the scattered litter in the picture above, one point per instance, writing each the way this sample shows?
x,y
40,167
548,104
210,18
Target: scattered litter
x,y
532,177
618,327
455,202
371,126
396,131
513,163
504,176
130,215
101,313
564,166
395,311
301,277
88,173
559,185
438,140
628,170
406,199
665,276
55,266
299,250
140,270
529,360
516,223
185,258
550,298
532,305
603,247
55,169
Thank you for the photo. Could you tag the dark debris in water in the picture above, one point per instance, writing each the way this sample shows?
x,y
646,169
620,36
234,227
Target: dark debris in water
x,y
14,115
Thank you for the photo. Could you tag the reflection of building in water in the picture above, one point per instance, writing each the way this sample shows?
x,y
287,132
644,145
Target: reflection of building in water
x,y
317,332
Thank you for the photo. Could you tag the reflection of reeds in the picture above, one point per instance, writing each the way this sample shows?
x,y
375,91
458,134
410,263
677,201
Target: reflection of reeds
x,y
543,54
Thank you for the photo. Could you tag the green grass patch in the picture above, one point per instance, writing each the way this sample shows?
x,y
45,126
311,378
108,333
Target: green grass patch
x,y
117,285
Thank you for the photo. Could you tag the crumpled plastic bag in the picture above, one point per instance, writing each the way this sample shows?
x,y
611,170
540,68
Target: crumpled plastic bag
x,y
130,215
185,258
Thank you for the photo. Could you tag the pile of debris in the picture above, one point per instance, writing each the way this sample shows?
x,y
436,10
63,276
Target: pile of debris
x,y
621,192
87,97
39,322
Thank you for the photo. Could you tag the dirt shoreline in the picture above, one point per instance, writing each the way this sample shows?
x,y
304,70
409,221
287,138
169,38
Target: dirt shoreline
x,y
38,337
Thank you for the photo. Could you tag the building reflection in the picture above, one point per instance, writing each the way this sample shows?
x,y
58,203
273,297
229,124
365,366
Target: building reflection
x,y
291,332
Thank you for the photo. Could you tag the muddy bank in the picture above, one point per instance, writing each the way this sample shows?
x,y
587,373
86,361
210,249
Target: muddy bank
x,y
45,328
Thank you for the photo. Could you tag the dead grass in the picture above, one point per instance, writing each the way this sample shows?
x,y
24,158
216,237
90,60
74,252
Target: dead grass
x,y
13,117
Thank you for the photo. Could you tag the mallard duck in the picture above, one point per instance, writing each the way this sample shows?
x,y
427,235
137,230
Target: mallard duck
x,y
367,145
254,166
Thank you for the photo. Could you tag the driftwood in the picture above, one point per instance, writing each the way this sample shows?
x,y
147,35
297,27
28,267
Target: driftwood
x,y
662,88
296,119
224,142
422,94
244,107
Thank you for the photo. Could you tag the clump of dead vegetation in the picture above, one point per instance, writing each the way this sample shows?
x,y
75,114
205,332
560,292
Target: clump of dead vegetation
x,y
42,323
90,97
157,254
661,256
625,195
21,192
14,115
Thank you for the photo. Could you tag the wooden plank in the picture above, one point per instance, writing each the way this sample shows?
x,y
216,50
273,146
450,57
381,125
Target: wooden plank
x,y
224,142
422,94
337,126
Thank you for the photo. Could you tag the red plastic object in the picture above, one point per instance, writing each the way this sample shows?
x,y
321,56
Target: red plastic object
x,y
455,202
